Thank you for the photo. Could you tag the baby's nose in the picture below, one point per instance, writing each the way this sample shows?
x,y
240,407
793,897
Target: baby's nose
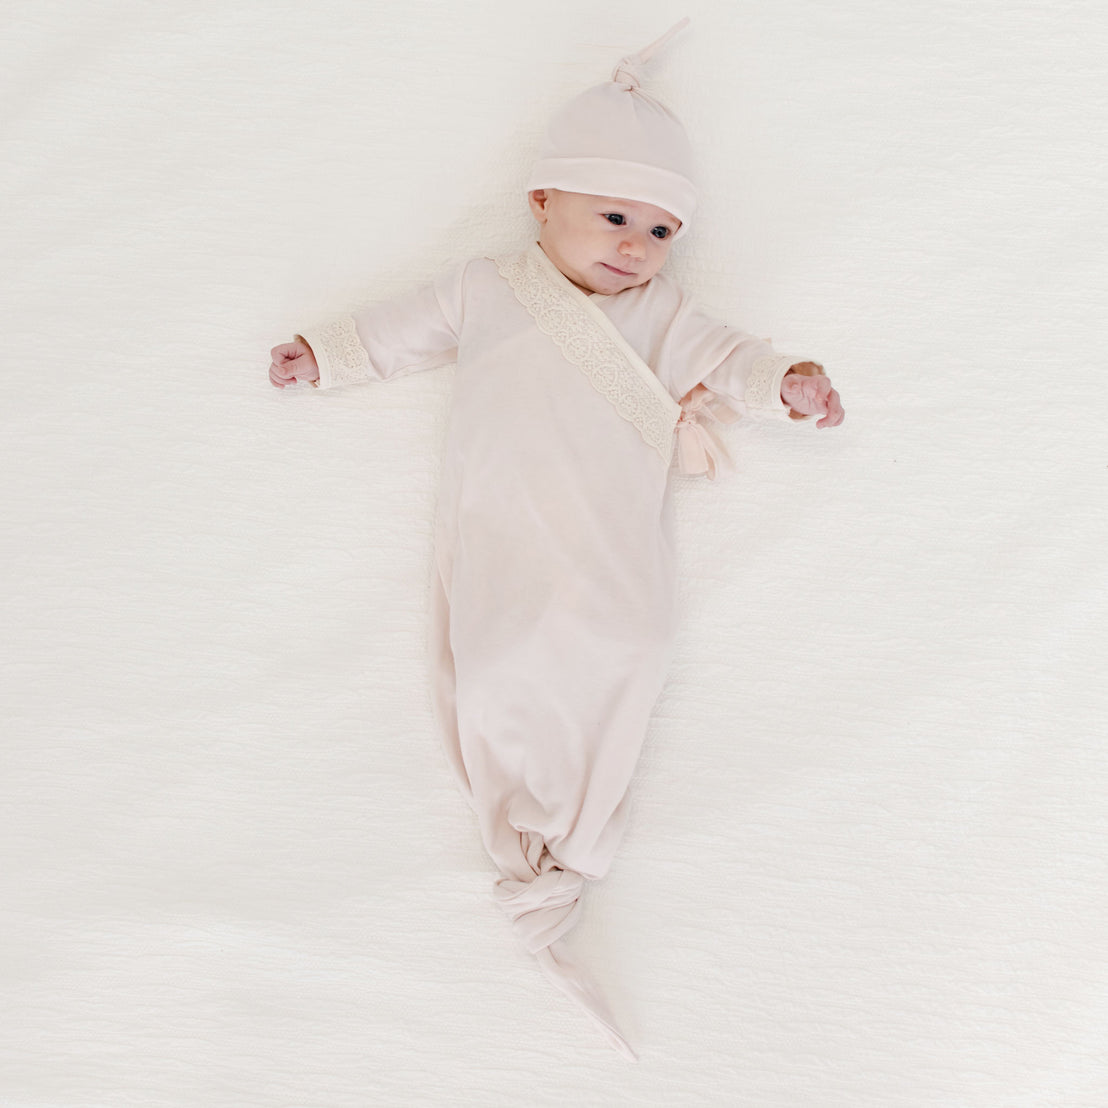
x,y
633,247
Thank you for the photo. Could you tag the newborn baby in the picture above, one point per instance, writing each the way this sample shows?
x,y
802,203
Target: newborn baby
x,y
583,372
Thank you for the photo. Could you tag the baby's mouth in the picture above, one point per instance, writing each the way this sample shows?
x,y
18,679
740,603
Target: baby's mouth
x,y
621,272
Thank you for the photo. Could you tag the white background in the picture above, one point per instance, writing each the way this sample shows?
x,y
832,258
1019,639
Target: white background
x,y
867,862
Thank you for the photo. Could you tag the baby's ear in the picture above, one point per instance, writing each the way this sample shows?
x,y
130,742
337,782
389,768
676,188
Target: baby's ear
x,y
539,200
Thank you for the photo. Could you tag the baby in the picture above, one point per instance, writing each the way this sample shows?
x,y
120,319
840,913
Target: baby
x,y
583,371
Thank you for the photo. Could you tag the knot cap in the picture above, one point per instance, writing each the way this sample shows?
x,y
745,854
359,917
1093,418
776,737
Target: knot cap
x,y
616,139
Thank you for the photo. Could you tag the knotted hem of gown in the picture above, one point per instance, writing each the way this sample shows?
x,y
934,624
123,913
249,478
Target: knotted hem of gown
x,y
542,910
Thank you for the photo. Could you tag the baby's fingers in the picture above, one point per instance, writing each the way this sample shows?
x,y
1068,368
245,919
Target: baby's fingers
x,y
285,373
835,414
806,395
287,352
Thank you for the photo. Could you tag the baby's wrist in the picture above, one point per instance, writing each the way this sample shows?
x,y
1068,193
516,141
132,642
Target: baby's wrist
x,y
806,369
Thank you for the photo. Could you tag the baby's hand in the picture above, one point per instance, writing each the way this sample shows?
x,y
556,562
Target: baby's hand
x,y
293,362
808,392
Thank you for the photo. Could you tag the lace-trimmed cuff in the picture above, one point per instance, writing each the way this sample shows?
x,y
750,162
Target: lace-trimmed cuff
x,y
339,353
763,387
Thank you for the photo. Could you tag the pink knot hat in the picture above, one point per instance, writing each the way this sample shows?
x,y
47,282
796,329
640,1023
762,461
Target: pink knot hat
x,y
617,140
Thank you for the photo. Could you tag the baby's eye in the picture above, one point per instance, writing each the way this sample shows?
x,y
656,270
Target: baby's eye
x,y
615,217
660,232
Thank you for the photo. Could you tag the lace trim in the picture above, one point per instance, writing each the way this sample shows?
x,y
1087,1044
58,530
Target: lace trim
x,y
343,353
765,374
584,343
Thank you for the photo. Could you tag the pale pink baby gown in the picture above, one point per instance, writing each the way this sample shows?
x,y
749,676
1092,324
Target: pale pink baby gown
x,y
553,610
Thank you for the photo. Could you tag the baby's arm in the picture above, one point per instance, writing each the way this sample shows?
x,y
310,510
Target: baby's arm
x,y
753,378
381,341
808,391
293,362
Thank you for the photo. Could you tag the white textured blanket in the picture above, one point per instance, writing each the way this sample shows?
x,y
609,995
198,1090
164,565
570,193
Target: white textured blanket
x,y
234,867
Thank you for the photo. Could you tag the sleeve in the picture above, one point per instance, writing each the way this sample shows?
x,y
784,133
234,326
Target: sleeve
x,y
743,369
392,338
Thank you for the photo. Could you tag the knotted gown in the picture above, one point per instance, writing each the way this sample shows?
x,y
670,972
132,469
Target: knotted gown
x,y
553,608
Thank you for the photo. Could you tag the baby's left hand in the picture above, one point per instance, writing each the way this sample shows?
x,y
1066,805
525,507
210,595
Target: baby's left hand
x,y
293,363
809,392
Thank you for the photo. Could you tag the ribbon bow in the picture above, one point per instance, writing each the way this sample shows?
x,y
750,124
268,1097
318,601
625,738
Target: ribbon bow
x,y
699,452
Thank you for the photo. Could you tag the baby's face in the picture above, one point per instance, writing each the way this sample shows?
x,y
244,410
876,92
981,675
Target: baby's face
x,y
600,243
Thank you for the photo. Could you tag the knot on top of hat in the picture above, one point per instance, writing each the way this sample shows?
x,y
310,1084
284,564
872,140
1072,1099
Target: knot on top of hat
x,y
627,69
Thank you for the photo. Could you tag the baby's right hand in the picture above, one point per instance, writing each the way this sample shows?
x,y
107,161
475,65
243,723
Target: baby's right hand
x,y
293,362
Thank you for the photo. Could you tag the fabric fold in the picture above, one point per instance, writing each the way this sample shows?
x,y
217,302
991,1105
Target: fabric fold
x,y
542,911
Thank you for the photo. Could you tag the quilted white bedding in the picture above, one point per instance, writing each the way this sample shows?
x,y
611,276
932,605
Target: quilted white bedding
x,y
867,860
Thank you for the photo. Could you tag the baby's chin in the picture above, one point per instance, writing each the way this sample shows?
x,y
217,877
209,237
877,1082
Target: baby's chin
x,y
590,284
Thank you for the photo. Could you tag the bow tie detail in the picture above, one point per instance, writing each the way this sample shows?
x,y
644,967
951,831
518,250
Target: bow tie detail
x,y
699,452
